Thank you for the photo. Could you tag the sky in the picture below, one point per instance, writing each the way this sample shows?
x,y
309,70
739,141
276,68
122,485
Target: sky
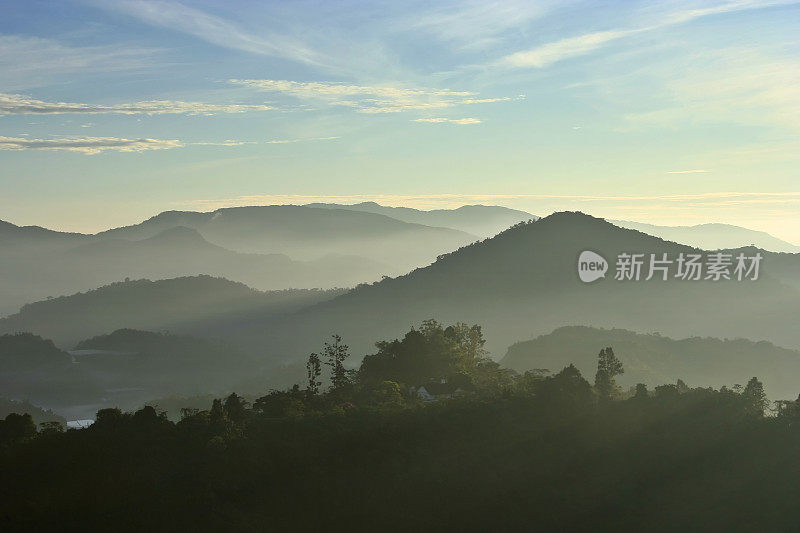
x,y
674,112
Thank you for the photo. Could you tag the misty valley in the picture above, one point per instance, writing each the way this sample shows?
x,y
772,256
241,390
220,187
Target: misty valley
x,y
452,265
480,362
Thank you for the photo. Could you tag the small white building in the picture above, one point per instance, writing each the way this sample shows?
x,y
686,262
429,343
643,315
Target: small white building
x,y
423,394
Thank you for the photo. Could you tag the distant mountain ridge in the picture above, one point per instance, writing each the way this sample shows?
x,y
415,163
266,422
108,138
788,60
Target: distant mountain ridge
x,y
268,247
713,236
517,285
524,282
653,359
33,368
32,274
481,220
304,232
13,234
182,305
124,368
341,246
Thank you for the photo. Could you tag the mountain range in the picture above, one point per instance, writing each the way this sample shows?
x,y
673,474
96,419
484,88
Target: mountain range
x,y
523,283
481,220
518,285
654,359
181,305
713,236
124,368
276,247
271,247
35,273
307,233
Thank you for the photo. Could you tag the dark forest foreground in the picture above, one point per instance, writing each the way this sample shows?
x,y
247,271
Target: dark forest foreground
x,y
508,452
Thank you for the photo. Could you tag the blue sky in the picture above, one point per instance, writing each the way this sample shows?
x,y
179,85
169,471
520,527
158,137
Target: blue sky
x,y
665,112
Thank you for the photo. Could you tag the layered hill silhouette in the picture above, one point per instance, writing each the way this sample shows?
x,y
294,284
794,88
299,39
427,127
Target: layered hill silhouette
x,y
269,247
783,266
38,414
489,220
181,305
713,236
523,283
124,368
276,247
183,251
27,352
34,273
308,233
481,220
34,369
32,236
161,363
654,359
517,285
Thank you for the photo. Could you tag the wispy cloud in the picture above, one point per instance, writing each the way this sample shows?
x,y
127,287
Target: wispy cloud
x,y
88,145
553,52
339,90
372,99
478,23
746,86
729,6
460,121
307,139
17,104
223,143
550,53
213,29
692,171
27,61
96,145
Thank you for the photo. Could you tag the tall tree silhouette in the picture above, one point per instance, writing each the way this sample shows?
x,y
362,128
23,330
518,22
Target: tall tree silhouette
x,y
608,367
755,398
313,370
336,353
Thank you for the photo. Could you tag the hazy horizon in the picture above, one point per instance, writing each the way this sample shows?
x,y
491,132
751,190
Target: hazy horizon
x,y
670,113
423,207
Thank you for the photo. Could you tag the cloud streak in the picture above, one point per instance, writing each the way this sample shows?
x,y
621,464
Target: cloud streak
x,y
735,85
17,104
371,99
553,52
224,143
213,29
96,145
550,53
26,59
340,90
290,141
88,145
459,121
477,24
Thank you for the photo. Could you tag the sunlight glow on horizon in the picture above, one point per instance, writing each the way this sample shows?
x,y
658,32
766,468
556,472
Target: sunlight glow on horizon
x,y
648,111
